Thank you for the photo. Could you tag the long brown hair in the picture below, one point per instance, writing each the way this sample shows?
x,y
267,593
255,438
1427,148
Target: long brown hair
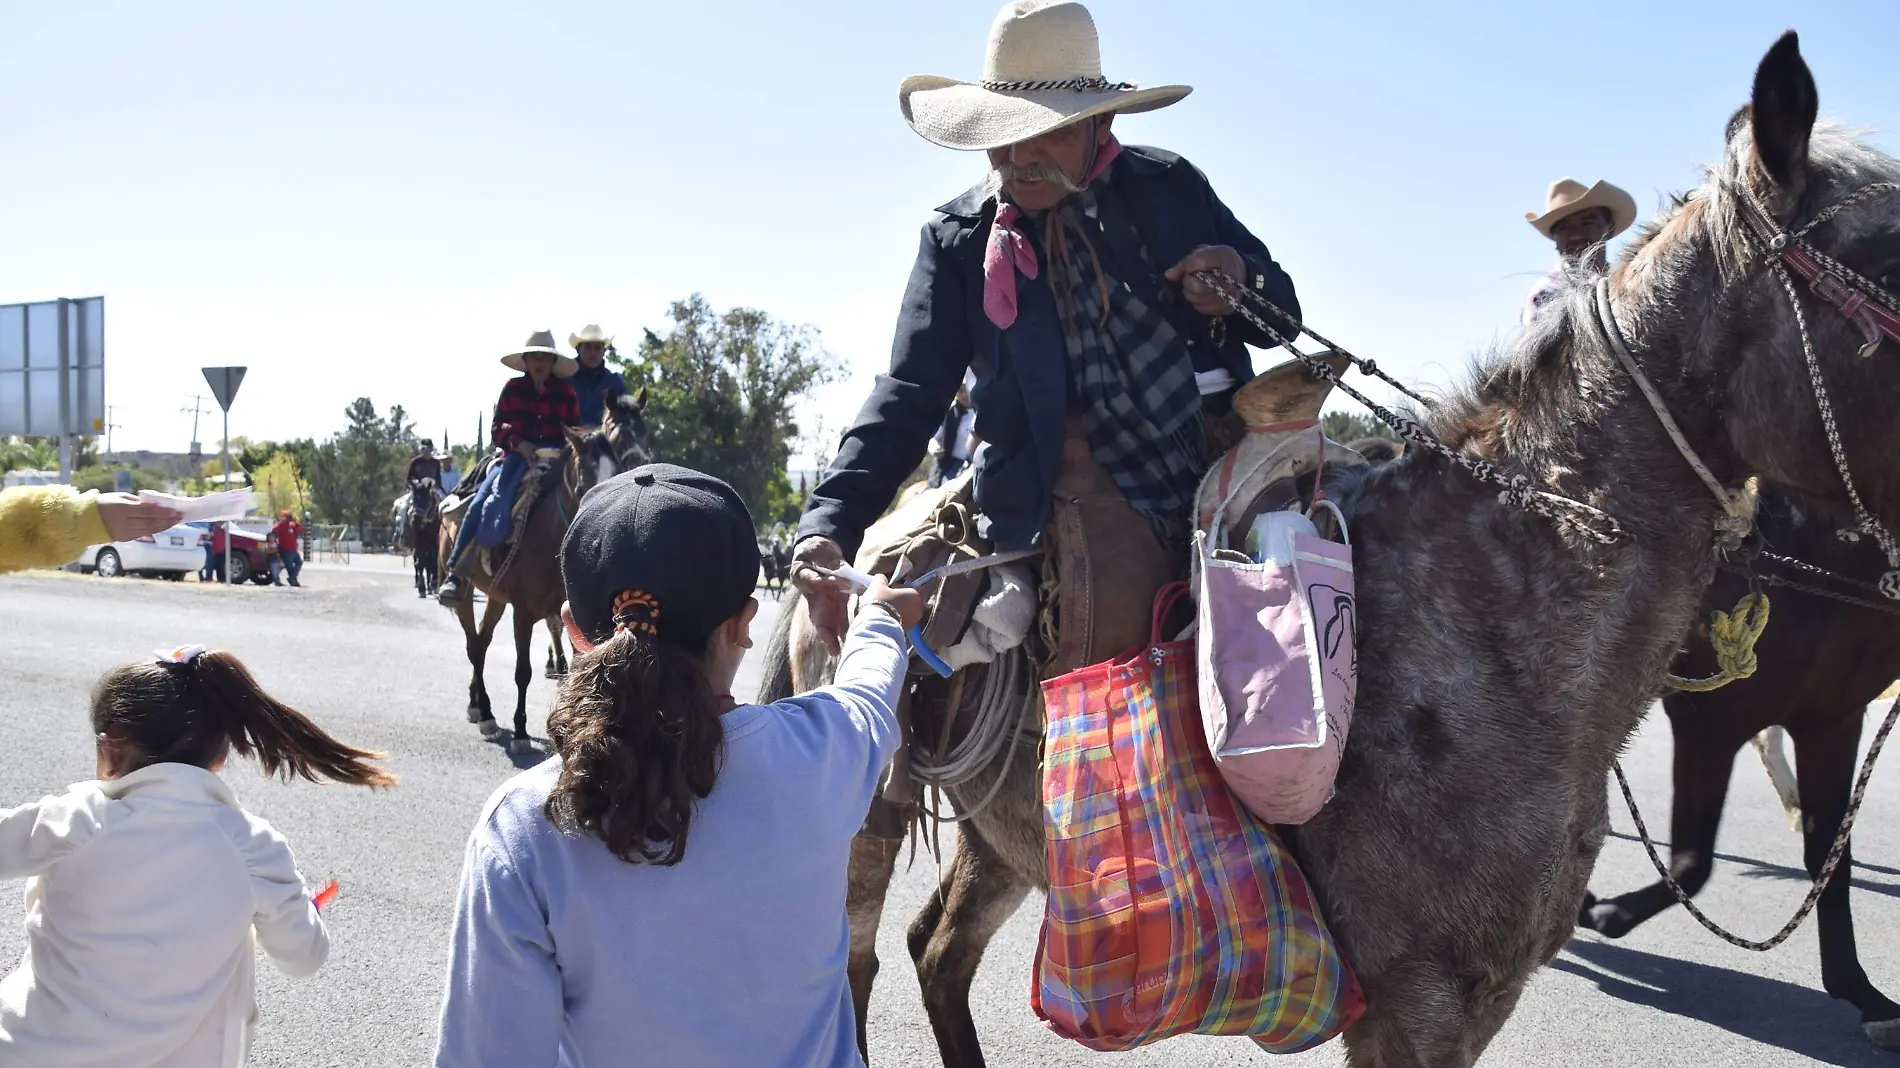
x,y
637,727
194,712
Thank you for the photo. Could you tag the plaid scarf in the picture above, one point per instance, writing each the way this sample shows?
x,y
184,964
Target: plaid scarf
x,y
1130,373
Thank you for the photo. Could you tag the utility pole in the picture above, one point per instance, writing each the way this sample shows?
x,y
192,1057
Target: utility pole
x,y
110,427
197,408
224,383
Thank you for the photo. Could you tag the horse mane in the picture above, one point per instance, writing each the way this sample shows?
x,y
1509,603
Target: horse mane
x,y
1528,398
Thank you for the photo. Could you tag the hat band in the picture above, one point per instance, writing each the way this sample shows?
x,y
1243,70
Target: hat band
x,y
1097,84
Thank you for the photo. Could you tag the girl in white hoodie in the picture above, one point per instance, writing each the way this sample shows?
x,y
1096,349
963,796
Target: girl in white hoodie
x,y
149,886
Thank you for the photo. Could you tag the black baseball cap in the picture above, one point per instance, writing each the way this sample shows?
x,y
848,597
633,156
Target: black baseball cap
x,y
669,549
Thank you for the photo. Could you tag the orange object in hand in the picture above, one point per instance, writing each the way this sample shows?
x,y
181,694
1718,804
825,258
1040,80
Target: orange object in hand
x,y
325,896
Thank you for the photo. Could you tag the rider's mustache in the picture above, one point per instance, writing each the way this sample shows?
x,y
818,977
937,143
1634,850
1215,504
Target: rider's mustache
x,y
1035,172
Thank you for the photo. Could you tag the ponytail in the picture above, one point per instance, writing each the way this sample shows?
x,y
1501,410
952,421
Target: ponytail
x,y
637,727
194,711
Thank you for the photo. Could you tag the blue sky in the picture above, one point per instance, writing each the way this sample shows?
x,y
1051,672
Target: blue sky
x,y
379,198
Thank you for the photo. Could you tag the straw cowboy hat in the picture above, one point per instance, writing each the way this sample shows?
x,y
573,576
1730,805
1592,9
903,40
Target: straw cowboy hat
x,y
541,341
1568,196
1043,70
590,332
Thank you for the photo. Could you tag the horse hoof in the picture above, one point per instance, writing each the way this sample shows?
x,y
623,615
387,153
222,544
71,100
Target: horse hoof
x,y
557,673
475,714
1607,919
488,728
521,745
1884,1034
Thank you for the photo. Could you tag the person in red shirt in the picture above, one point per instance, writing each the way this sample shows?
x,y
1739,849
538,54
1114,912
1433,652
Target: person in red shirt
x,y
214,556
533,413
286,536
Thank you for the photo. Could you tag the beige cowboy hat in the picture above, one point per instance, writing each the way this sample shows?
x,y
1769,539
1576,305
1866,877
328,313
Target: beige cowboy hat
x,y
1287,393
588,333
1568,196
1043,70
541,341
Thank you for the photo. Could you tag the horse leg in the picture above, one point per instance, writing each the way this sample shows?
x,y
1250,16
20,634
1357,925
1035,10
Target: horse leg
x,y
1703,759
524,673
1425,1019
557,654
948,938
1825,765
479,711
873,860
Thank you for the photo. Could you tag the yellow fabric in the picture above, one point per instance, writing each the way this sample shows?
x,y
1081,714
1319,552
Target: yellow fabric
x,y
1733,634
47,526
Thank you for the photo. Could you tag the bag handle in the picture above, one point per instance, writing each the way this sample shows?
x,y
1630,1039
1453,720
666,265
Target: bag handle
x,y
1165,599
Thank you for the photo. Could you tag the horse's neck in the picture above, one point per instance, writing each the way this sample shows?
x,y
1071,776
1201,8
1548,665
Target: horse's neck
x,y
1476,604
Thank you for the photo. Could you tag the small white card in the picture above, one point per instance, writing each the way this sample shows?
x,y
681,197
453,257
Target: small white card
x,y
231,504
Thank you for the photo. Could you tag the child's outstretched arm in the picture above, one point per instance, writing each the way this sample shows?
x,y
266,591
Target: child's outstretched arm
x,y
46,526
35,835
288,927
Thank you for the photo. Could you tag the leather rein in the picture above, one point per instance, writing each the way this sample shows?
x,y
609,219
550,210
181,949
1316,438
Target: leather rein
x,y
1866,304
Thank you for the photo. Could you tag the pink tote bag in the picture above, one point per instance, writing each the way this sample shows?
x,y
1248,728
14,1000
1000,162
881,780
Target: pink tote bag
x,y
1277,666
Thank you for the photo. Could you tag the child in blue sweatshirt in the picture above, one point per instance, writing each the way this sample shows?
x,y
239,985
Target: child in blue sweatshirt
x,y
669,888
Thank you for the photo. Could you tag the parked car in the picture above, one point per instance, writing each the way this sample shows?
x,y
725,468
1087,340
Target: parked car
x,y
171,553
250,558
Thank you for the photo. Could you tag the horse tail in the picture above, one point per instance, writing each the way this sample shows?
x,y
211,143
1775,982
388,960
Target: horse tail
x,y
775,667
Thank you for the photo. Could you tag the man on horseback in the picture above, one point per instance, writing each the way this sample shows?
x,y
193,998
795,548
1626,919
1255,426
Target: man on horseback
x,y
1580,220
596,384
425,464
1104,369
531,416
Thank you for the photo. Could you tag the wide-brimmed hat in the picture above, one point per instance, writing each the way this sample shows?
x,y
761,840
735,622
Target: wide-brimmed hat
x,y
590,332
541,341
1043,70
1568,196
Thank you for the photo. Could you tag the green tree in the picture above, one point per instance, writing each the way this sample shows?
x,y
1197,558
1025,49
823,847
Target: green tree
x,y
356,473
278,485
1348,427
105,479
28,454
722,388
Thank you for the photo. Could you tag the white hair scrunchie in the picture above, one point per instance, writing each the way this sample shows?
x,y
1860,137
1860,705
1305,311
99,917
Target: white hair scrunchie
x,y
183,654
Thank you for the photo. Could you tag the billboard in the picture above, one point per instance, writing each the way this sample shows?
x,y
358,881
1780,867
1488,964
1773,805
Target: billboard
x,y
53,367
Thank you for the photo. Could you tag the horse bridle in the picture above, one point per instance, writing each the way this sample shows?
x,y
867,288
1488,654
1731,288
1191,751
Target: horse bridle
x,y
1863,302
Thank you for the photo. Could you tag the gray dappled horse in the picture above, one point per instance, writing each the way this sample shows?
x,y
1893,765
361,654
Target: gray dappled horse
x,y
1505,659
531,582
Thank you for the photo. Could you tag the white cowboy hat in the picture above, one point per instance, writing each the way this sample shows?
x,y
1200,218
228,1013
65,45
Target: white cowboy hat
x,y
541,341
1568,196
1043,70
590,332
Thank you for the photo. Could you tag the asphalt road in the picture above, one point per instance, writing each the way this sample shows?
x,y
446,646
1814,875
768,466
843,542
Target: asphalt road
x,y
358,651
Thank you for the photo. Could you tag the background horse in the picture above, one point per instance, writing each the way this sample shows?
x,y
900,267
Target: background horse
x,y
1506,658
531,580
421,533
1818,665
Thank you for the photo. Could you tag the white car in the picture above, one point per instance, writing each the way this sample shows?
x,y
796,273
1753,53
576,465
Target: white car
x,y
172,553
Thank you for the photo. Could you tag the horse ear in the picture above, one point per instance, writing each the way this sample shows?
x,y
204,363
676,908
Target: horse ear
x,y
1781,113
640,399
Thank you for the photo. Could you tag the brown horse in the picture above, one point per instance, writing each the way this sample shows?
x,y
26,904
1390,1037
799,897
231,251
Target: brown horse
x,y
531,582
422,534
1819,663
1506,659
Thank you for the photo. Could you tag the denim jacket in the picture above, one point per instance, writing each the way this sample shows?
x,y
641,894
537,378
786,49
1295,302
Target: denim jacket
x,y
1156,208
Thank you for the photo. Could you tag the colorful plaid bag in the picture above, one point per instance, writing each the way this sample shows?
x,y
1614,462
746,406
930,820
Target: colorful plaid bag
x,y
1171,909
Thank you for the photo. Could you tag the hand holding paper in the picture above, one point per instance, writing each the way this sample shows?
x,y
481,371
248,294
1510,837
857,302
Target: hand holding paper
x,y
231,504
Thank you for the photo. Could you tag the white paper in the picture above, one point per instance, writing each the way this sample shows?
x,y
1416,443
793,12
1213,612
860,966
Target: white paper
x,y
231,504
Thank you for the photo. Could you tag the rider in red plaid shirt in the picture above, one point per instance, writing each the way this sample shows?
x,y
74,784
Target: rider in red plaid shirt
x,y
533,412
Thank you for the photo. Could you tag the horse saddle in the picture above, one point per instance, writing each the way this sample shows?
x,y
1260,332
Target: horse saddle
x,y
1279,462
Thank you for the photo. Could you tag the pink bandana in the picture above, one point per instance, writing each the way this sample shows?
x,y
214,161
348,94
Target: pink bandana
x,y
1009,250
